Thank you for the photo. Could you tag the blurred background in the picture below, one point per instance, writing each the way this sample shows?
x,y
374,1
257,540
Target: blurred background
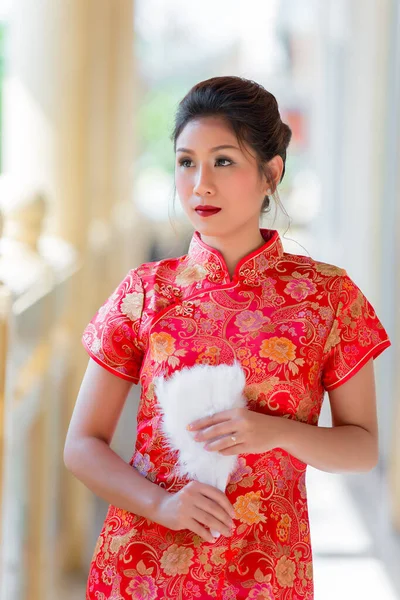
x,y
88,92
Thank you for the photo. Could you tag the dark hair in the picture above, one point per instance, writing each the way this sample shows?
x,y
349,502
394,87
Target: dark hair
x,y
249,109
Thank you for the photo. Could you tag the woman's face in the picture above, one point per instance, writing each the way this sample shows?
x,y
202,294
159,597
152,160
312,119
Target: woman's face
x,y
225,178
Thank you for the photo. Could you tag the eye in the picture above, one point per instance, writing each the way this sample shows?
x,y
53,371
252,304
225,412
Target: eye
x,y
185,160
225,159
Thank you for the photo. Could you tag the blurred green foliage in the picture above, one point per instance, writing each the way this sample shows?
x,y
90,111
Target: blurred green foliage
x,y
155,123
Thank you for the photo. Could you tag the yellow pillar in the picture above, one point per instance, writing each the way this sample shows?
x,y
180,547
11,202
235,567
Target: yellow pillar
x,y
69,90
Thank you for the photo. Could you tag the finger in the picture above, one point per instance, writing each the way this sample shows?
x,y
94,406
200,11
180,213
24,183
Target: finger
x,y
201,531
214,509
223,443
211,521
212,419
232,450
216,431
215,494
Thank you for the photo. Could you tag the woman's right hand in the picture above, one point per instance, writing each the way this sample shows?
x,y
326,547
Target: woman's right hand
x,y
195,505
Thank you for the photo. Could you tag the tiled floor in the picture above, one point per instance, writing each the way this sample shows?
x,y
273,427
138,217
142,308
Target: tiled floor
x,y
345,561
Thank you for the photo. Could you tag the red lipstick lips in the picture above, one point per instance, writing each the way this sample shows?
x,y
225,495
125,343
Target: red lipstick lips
x,y
206,210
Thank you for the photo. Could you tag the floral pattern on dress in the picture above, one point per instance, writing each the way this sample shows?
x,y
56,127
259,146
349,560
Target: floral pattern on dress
x,y
112,337
299,328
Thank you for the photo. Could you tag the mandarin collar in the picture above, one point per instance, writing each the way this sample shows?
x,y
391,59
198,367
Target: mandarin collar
x,y
251,269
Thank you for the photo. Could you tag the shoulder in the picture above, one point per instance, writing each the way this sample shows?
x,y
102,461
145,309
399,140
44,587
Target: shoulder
x,y
305,264
159,284
308,277
166,269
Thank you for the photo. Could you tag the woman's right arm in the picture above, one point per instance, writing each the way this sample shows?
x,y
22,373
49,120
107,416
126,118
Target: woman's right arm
x,y
87,454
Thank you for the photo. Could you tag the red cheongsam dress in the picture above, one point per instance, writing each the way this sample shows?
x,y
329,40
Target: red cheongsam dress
x,y
298,327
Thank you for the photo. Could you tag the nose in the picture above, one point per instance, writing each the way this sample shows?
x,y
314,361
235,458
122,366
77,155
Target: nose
x,y
203,183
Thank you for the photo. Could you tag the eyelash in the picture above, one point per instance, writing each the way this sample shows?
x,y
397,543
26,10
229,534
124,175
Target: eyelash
x,y
183,160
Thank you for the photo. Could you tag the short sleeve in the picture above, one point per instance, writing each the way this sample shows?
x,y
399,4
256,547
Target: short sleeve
x,y
356,336
112,337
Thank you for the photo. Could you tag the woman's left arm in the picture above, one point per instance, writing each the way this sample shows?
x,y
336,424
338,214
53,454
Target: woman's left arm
x,y
352,443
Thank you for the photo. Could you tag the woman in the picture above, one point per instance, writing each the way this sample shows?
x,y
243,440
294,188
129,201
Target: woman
x,y
298,326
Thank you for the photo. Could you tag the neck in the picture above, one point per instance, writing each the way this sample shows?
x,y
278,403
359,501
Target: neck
x,y
234,246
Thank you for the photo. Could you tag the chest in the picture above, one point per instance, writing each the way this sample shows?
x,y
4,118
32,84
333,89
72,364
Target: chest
x,y
277,338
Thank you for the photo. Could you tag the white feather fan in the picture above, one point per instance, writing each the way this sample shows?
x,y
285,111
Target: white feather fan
x,y
191,394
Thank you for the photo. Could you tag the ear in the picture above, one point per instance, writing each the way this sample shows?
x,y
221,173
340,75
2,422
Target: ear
x,y
275,166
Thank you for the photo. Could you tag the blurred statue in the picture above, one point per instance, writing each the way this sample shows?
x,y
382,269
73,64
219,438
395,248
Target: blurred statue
x,y
23,210
29,256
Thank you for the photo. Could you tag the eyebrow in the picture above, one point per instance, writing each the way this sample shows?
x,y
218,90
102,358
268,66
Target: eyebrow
x,y
212,149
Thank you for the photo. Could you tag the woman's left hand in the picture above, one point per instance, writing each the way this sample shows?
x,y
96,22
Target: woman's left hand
x,y
254,432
